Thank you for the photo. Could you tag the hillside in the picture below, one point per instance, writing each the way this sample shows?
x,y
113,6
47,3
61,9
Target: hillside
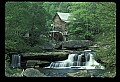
x,y
107,49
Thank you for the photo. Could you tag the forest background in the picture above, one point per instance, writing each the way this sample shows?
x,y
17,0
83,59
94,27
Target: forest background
x,y
95,21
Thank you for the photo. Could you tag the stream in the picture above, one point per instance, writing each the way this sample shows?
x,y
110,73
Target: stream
x,y
63,72
74,64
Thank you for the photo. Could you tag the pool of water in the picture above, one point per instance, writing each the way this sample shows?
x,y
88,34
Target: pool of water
x,y
63,72
57,72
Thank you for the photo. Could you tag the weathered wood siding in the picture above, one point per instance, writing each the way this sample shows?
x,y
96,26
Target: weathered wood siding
x,y
59,24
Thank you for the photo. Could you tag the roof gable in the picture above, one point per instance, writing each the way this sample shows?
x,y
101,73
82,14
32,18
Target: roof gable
x,y
64,16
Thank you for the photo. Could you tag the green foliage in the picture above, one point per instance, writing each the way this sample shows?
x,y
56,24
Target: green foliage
x,y
93,17
10,72
107,50
98,23
20,18
88,36
95,21
107,47
36,49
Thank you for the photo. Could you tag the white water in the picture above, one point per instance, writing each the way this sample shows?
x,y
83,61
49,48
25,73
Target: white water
x,y
77,61
16,61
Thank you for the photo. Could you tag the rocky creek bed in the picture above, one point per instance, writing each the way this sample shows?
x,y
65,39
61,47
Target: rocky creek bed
x,y
42,72
39,60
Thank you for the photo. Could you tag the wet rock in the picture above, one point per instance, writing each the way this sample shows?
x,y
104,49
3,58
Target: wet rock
x,y
31,72
47,56
81,73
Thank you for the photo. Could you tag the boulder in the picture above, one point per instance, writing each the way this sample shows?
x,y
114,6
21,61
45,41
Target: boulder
x,y
31,72
76,44
81,73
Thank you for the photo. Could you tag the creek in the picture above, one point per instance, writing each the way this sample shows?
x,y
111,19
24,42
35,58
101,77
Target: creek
x,y
63,72
83,61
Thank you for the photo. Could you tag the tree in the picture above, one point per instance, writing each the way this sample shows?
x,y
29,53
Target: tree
x,y
92,17
21,17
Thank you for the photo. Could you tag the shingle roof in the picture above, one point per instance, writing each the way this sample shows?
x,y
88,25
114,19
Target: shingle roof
x,y
64,16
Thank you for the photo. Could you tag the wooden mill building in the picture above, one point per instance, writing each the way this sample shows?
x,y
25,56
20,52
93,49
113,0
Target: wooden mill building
x,y
59,26
60,21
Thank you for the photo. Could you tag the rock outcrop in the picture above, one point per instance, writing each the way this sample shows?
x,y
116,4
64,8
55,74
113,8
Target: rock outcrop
x,y
47,56
74,44
31,72
37,63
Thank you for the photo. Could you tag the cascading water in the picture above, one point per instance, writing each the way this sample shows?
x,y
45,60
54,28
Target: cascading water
x,y
83,60
16,61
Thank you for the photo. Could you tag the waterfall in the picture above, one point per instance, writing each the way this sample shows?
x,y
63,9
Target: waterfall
x,y
91,61
16,61
84,60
